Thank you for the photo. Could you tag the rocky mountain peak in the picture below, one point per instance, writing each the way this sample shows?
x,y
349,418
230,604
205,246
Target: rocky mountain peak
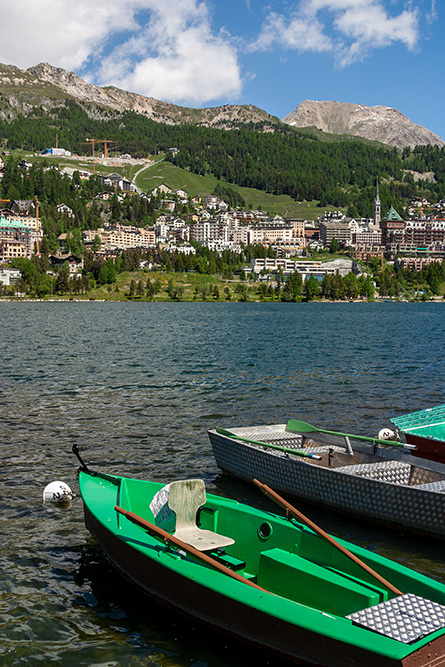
x,y
379,123
70,83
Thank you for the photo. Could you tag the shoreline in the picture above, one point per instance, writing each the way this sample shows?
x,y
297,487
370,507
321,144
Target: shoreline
x,y
324,301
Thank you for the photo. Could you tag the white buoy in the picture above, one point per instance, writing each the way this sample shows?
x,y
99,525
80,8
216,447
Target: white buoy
x,y
57,492
386,434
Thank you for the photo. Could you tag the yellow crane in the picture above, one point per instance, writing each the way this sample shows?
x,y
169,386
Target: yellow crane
x,y
93,142
37,227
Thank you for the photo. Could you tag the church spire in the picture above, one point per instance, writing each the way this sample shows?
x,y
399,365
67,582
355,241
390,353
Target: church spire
x,y
377,205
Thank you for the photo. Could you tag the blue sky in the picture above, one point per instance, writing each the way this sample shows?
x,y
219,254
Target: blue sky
x,y
270,53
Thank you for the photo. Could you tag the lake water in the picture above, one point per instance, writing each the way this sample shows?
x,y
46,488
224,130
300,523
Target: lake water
x,y
137,385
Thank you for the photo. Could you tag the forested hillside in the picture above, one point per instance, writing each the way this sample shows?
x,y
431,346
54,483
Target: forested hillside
x,y
299,163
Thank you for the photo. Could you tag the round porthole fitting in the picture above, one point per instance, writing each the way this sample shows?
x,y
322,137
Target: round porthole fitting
x,y
265,530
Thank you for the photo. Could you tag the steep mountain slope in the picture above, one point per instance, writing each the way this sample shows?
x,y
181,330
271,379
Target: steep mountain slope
x,y
21,90
223,117
378,123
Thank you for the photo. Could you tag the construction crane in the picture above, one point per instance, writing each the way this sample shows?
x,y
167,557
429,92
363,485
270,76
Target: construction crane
x,y
37,227
3,201
93,142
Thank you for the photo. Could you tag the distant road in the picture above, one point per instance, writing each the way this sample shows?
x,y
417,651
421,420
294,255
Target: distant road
x,y
143,169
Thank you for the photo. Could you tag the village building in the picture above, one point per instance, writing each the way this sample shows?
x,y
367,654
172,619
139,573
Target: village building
x,y
121,237
10,277
209,230
415,263
392,227
160,189
75,264
262,267
338,229
23,207
65,210
118,182
18,237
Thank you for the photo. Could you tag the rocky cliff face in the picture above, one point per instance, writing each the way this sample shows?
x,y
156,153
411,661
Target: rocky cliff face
x,y
163,112
377,123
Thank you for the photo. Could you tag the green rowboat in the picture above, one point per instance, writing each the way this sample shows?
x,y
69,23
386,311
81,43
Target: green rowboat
x,y
262,578
426,430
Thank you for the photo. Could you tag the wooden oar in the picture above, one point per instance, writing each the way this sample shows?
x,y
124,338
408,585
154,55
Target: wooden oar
x,y
287,450
171,539
297,426
292,511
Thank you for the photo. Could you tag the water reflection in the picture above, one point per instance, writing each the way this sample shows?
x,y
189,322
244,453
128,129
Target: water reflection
x,y
137,386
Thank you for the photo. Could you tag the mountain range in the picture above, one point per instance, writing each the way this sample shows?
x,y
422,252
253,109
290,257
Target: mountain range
x,y
49,87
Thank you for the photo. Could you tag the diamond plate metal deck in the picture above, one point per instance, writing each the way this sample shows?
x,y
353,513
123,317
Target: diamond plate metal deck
x,y
406,618
388,471
433,486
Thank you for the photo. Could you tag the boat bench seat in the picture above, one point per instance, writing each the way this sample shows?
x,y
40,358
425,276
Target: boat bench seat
x,y
432,486
304,581
396,472
185,497
231,562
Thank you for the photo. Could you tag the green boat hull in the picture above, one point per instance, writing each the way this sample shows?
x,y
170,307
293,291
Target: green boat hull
x,y
305,587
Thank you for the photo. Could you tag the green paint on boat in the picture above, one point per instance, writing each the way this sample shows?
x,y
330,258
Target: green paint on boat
x,y
309,586
429,423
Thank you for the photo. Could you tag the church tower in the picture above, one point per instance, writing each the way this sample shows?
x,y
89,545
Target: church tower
x,y
377,207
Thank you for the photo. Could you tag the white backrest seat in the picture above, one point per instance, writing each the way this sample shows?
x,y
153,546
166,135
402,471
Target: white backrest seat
x,y
185,498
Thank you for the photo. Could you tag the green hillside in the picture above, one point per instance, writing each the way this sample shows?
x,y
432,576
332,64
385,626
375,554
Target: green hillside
x,y
194,184
272,170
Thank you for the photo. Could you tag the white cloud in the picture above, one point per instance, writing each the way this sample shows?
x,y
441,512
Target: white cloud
x,y
349,29
165,49
62,32
295,33
177,57
432,14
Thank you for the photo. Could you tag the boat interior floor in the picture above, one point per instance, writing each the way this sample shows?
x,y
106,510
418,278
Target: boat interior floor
x,y
366,463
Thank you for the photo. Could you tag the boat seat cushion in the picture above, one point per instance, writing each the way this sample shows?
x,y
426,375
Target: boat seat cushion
x,y
185,498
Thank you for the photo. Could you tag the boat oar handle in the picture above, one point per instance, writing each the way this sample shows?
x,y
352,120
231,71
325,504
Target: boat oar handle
x,y
296,514
171,539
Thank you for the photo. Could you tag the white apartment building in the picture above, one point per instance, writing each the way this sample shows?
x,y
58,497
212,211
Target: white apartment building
x,y
10,277
209,230
122,237
240,234
271,233
367,237
10,250
305,269
219,246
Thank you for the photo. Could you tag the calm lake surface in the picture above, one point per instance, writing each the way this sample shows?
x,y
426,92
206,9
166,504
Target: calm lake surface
x,y
137,385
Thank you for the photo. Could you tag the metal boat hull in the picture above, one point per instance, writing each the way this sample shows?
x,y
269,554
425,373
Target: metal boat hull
x,y
395,501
